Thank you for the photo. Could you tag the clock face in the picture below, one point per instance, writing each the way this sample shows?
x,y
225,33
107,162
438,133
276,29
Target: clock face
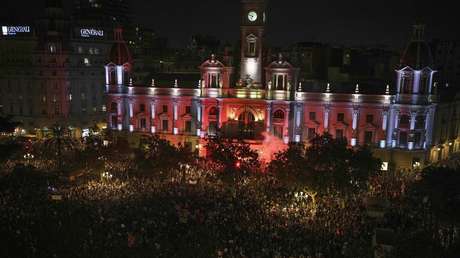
x,y
252,16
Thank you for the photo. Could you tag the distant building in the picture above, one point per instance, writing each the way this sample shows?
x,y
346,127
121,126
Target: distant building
x,y
447,61
51,72
104,11
266,97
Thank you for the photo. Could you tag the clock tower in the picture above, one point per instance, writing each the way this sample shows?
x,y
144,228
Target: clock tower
x,y
252,37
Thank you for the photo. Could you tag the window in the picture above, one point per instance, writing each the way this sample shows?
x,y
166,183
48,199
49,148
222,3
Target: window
x,y
114,107
213,111
404,121
252,45
252,48
165,109
52,48
420,122
278,131
339,134
312,116
188,109
188,126
340,117
86,61
369,119
311,133
403,138
114,121
143,123
165,125
279,114
142,108
368,137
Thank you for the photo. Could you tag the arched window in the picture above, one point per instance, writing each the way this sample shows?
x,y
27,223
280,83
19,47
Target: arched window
x,y
279,114
407,83
112,75
252,45
213,111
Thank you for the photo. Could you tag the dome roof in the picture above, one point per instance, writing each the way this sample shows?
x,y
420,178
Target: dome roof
x,y
120,54
417,54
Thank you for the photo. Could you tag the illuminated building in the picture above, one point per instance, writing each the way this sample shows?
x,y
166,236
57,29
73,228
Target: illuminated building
x,y
396,120
50,72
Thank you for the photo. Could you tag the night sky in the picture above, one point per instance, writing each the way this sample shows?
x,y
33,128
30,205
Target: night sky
x,y
356,22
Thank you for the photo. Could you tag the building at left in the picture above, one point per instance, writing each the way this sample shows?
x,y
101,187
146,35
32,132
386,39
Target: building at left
x,y
50,72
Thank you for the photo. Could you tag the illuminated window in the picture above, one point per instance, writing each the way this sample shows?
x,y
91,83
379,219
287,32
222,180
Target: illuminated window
x,y
52,48
104,108
86,61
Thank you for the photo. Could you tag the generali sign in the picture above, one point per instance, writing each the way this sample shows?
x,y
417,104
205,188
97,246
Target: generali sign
x,y
87,33
13,30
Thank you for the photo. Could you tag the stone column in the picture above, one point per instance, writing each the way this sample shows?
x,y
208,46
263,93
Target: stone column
x,y
175,116
394,140
131,115
382,143
286,127
269,117
326,118
152,117
298,122
354,137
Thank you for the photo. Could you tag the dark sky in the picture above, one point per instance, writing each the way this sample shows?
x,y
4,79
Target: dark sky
x,y
365,22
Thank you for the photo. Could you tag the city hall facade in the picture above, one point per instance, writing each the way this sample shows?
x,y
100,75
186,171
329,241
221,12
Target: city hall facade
x,y
264,99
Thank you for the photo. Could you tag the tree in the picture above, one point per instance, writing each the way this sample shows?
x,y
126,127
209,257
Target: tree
x,y
326,164
438,193
234,157
290,166
160,154
59,146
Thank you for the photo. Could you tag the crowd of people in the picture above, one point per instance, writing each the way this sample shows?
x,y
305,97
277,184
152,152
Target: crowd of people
x,y
149,217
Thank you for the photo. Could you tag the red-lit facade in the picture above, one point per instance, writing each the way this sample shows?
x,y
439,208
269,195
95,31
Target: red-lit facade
x,y
268,102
